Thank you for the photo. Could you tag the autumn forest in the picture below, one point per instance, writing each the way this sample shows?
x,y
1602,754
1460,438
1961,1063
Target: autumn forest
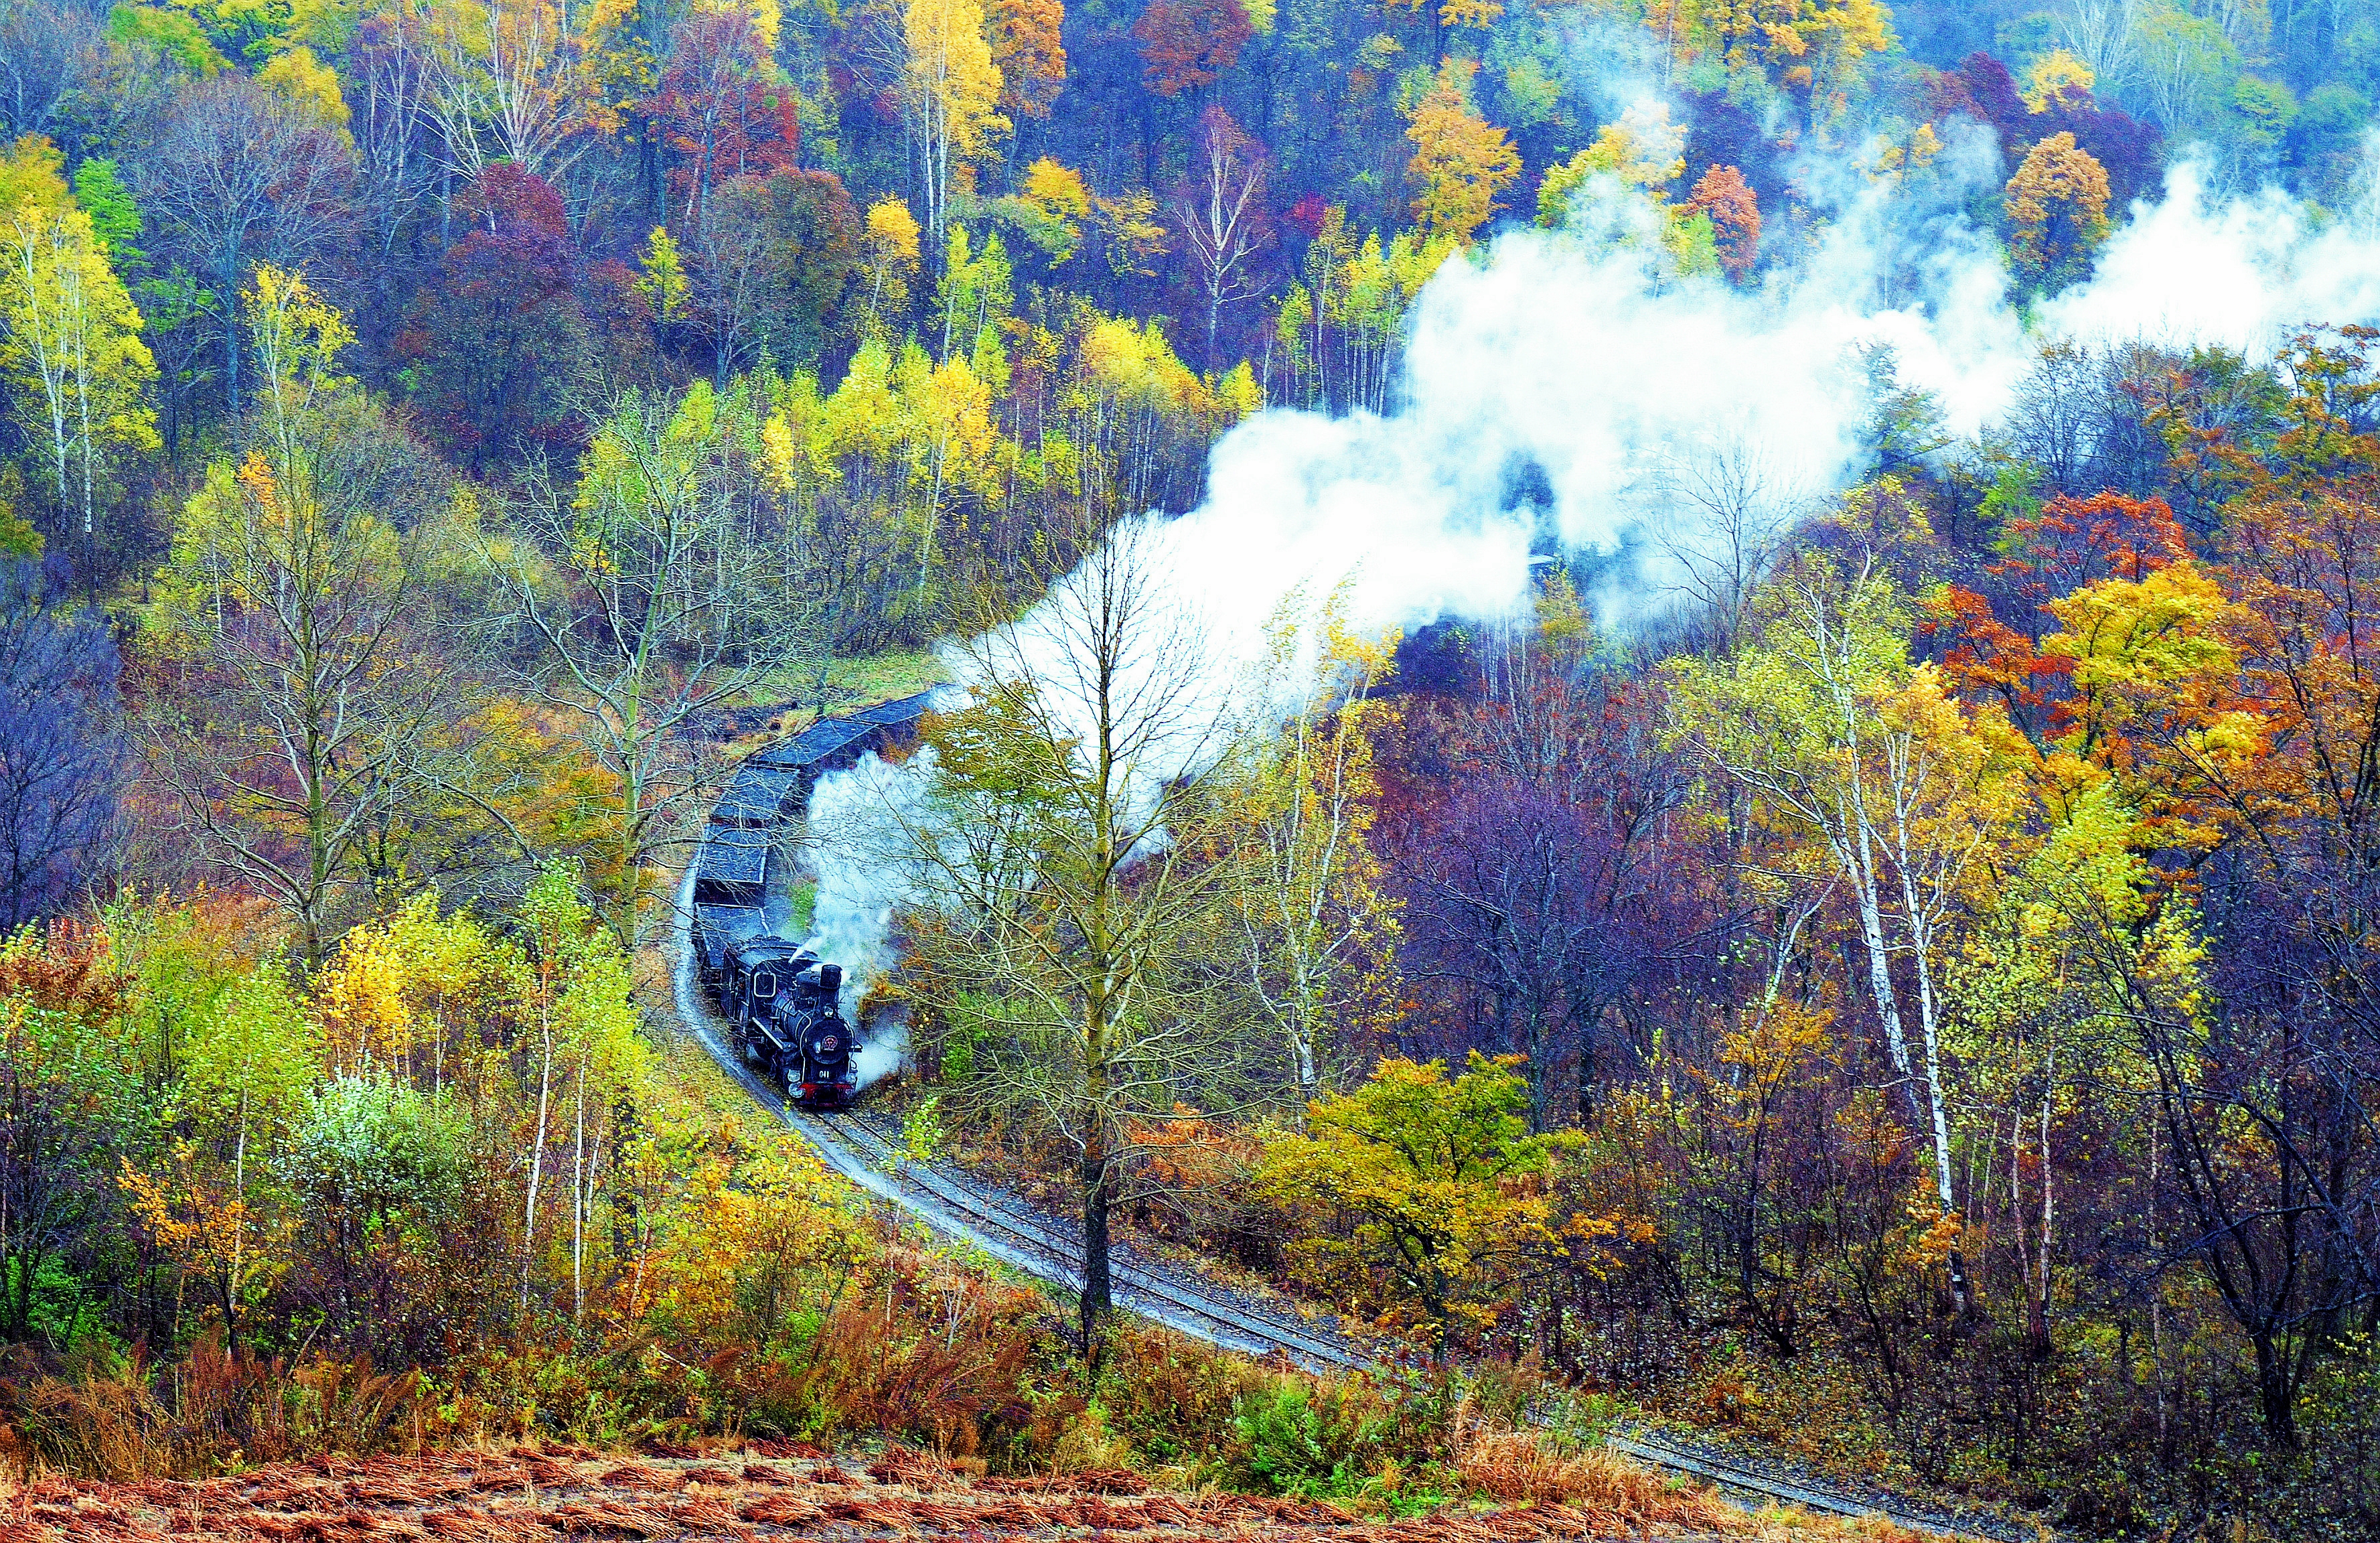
x,y
1664,704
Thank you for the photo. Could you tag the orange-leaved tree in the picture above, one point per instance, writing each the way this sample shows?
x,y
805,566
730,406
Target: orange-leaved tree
x,y
1184,44
2057,212
231,1246
1462,163
1029,54
1734,212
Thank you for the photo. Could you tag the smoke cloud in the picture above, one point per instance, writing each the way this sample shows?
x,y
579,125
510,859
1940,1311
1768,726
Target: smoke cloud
x,y
857,850
1555,385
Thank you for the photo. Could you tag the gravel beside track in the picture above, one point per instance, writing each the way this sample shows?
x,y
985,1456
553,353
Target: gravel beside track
x,y
1010,1229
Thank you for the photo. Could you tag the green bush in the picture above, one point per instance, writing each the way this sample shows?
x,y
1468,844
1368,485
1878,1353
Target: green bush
x,y
1283,1439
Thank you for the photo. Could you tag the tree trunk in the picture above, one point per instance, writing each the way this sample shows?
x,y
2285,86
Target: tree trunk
x,y
2274,1386
1097,1285
537,1145
231,346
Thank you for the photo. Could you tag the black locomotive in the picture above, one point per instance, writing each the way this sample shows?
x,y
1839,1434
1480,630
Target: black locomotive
x,y
785,1007
782,1002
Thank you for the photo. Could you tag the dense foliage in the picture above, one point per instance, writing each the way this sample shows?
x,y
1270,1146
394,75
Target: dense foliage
x,y
1908,1002
1926,992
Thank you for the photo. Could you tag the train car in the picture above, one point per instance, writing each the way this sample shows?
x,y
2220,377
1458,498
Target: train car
x,y
732,867
718,928
758,797
786,1010
782,1002
831,743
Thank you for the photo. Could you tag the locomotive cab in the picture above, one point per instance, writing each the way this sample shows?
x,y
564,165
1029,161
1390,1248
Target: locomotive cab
x,y
757,972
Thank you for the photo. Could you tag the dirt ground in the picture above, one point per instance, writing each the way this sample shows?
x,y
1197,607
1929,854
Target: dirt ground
x,y
534,1494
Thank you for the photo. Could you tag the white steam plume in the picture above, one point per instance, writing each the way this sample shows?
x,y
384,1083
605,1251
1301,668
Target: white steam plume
x,y
1551,386
858,823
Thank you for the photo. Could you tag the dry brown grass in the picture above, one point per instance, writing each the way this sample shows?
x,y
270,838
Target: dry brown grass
x,y
551,1493
1516,1467
200,1414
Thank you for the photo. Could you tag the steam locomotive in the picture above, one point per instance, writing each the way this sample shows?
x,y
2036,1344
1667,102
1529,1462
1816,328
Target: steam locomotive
x,y
783,1002
787,1011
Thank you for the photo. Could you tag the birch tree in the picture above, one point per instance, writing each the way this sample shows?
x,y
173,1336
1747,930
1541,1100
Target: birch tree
x,y
950,97
1221,212
509,81
573,987
1309,923
1821,716
70,345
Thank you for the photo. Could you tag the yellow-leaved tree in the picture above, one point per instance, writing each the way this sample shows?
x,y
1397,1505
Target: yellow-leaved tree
x,y
297,610
1312,925
1639,155
1822,719
892,248
1446,1188
2057,212
79,376
950,97
1815,49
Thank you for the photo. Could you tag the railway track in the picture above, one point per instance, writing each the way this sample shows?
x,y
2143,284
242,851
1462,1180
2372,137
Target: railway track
x,y
987,1207
1007,1228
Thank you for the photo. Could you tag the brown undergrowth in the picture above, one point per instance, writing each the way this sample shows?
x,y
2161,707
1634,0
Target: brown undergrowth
x,y
206,1413
531,1494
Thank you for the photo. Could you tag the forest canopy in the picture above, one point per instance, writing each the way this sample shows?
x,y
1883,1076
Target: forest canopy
x,y
1667,697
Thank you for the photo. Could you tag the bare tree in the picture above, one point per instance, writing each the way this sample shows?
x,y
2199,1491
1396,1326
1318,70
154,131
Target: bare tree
x,y
2057,420
1513,913
240,178
1729,514
2100,33
1221,211
737,263
667,585
1065,851
41,52
388,94
61,755
508,83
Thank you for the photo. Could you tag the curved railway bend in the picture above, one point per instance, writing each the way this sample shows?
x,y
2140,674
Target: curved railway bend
x,y
1010,1229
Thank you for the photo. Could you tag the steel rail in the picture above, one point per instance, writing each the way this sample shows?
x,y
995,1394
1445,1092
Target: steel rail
x,y
1734,1476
